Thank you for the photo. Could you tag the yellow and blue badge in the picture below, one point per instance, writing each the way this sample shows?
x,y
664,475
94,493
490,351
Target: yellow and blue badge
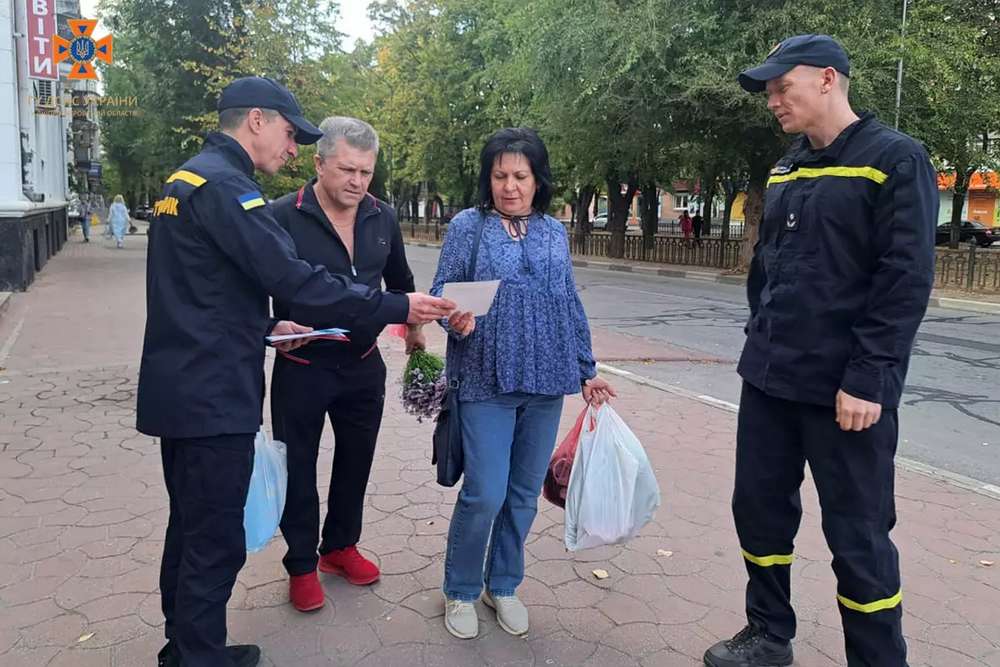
x,y
251,200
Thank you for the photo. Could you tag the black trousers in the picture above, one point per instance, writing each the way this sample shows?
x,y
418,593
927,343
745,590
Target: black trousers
x,y
854,476
302,397
205,547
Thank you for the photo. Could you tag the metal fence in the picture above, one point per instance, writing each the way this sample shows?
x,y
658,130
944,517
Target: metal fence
x,y
970,268
665,228
709,252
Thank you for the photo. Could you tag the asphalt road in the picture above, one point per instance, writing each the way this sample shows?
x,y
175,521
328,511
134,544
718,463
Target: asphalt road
x,y
950,417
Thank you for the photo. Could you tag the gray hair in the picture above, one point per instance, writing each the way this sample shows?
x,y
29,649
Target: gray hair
x,y
231,119
355,132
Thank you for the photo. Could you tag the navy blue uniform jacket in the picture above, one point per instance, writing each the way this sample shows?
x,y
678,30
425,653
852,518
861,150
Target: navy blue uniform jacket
x,y
378,254
215,254
843,270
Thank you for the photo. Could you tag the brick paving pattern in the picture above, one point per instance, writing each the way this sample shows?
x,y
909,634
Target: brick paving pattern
x,y
83,510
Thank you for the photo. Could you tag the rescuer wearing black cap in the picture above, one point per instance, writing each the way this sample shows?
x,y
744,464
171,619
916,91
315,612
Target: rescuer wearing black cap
x,y
838,284
215,255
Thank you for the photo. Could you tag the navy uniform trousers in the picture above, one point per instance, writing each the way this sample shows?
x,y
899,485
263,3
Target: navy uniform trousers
x,y
352,395
205,547
854,474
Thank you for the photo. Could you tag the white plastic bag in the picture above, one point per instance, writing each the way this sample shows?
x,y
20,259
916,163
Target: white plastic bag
x,y
266,498
612,491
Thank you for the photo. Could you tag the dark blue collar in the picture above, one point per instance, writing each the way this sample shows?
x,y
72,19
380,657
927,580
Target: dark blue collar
x,y
231,151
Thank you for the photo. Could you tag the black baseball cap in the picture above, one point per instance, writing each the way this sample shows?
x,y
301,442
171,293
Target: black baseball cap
x,y
815,50
264,93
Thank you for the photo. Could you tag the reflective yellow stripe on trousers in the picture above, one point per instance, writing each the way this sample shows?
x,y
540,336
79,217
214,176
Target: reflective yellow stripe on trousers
x,y
768,561
872,607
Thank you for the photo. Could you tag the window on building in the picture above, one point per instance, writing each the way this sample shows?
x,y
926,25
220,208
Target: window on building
x,y
682,202
44,95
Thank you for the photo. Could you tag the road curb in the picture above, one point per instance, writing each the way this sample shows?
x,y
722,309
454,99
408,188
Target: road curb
x,y
954,479
5,298
965,304
950,303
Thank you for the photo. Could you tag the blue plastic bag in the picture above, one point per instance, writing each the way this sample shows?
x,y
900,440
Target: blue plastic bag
x,y
266,498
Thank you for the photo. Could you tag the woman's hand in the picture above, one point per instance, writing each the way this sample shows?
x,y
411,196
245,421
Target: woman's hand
x,y
596,391
462,323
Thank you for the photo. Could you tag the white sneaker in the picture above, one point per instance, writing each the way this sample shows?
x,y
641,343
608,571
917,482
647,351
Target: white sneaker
x,y
460,618
511,612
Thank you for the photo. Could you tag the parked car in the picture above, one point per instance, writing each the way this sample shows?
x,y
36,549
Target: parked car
x,y
142,212
600,221
971,229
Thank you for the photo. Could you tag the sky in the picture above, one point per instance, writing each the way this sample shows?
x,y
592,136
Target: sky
x,y
354,22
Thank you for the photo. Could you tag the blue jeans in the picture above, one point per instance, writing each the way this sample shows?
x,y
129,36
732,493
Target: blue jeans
x,y
507,441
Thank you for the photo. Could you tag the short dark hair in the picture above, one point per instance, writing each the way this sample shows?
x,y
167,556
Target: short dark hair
x,y
523,141
231,119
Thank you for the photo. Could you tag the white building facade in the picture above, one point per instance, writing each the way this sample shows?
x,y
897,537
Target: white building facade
x,y
35,136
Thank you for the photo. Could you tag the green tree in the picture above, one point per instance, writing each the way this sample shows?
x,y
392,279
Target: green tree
x,y
952,89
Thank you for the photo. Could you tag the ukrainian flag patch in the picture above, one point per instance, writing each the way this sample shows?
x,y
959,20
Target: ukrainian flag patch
x,y
251,200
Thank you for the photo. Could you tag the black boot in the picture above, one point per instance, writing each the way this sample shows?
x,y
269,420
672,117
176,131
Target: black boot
x,y
751,647
242,655
168,656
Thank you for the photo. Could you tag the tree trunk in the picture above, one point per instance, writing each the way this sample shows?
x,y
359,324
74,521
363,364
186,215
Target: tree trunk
x,y
581,223
962,178
753,212
709,184
648,214
618,205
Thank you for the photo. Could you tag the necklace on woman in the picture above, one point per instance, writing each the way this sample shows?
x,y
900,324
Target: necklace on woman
x,y
517,225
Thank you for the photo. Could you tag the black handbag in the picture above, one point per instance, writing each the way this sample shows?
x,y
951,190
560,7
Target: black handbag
x,y
447,453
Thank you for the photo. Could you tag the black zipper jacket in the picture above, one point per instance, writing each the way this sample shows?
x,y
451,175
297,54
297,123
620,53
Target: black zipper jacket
x,y
378,255
843,270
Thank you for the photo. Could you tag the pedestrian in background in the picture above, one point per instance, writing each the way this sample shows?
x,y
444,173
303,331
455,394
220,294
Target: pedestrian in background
x,y
839,282
687,226
118,220
336,223
85,212
530,350
696,224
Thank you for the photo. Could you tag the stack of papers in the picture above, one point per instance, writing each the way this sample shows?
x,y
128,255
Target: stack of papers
x,y
326,334
472,297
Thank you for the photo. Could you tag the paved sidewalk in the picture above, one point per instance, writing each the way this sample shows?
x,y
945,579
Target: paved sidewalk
x,y
83,509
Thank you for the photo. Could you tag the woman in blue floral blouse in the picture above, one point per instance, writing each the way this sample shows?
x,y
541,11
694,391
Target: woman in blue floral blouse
x,y
520,359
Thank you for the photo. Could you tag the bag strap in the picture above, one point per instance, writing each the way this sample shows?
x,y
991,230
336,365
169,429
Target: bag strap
x,y
455,381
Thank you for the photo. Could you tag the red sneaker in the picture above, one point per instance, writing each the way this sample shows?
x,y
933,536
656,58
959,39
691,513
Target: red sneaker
x,y
305,592
350,564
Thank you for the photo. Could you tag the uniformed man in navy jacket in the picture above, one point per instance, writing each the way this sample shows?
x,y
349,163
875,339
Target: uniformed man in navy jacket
x,y
839,282
215,255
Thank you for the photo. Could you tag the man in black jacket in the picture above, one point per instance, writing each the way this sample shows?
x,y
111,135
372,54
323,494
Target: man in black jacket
x,y
215,254
335,222
839,282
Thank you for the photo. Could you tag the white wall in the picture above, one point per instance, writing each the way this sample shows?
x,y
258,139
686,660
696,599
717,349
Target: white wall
x,y
944,211
10,144
46,133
